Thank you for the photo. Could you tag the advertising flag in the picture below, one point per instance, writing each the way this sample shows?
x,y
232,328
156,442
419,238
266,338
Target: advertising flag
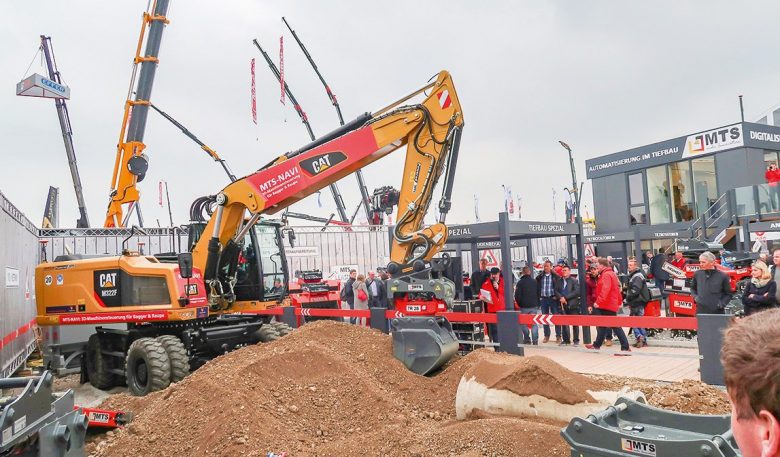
x,y
281,66
254,101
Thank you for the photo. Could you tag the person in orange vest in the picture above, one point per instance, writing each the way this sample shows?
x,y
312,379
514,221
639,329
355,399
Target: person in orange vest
x,y
492,294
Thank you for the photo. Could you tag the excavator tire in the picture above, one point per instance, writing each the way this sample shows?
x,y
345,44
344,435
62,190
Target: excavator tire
x,y
282,329
177,353
97,365
147,367
266,334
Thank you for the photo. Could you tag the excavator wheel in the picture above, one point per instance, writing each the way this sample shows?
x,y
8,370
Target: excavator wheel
x,y
97,365
281,328
177,353
265,334
147,367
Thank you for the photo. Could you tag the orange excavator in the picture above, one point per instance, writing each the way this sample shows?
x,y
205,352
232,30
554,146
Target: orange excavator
x,y
182,310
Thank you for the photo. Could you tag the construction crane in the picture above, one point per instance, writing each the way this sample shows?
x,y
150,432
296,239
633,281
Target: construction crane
x,y
131,163
364,198
334,189
38,86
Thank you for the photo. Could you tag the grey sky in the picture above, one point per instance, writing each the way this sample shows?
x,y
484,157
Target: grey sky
x,y
602,75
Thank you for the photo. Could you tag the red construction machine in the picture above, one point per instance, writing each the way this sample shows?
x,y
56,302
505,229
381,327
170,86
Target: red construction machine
x,y
737,265
311,291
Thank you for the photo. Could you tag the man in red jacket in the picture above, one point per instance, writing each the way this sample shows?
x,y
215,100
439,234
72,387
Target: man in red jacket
x,y
772,176
608,301
492,293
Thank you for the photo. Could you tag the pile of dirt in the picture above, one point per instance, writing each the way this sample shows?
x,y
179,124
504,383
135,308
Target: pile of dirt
x,y
327,389
534,375
688,396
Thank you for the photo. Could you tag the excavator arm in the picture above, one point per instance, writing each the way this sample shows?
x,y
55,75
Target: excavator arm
x,y
430,129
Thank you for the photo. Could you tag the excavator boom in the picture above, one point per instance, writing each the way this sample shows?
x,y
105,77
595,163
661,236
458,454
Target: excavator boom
x,y
429,129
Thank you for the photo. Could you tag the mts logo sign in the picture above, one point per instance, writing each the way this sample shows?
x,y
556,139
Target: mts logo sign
x,y
637,447
322,162
714,141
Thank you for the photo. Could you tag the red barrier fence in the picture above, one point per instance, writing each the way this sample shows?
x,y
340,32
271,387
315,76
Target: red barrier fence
x,y
674,323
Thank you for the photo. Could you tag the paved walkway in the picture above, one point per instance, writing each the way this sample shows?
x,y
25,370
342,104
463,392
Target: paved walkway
x,y
658,363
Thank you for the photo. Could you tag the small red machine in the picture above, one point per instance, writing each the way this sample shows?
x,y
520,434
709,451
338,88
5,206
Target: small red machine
x,y
104,418
737,265
311,291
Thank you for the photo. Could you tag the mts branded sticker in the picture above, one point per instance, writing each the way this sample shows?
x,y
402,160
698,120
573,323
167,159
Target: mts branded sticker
x,y
683,304
101,418
637,447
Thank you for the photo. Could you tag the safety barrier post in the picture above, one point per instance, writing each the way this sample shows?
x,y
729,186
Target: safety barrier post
x,y
509,332
288,316
379,321
710,336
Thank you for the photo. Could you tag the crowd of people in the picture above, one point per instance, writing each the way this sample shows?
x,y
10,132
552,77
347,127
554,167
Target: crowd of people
x,y
554,291
364,292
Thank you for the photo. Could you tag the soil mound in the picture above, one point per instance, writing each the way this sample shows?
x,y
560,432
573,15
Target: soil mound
x,y
327,389
533,376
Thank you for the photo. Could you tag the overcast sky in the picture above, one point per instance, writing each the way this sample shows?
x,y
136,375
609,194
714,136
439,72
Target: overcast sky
x,y
603,76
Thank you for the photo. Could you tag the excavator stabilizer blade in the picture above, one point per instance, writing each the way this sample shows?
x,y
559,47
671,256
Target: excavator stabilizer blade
x,y
423,344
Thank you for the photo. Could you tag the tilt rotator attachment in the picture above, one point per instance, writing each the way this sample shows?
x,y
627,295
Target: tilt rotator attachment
x,y
38,422
632,428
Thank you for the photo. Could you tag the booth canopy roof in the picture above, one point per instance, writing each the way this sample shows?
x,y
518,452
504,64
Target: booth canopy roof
x,y
518,230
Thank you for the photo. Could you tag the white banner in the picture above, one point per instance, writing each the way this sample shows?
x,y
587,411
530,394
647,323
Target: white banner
x,y
302,251
341,272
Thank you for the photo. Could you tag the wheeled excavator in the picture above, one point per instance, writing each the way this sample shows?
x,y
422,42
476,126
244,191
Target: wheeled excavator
x,y
183,310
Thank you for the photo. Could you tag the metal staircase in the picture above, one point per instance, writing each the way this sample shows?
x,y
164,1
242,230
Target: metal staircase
x,y
736,208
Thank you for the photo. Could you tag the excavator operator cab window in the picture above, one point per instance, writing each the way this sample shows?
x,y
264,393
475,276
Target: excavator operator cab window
x,y
272,264
260,272
247,272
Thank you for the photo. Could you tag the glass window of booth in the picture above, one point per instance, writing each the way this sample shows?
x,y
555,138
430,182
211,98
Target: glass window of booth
x,y
658,195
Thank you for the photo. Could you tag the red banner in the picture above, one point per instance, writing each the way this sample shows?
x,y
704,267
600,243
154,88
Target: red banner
x,y
159,200
254,102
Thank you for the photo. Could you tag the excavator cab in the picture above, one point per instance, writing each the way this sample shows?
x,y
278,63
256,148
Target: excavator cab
x,y
257,271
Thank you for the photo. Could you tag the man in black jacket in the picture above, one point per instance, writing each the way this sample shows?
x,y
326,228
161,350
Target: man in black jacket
x,y
659,274
348,294
710,287
527,298
567,293
637,296
775,272
478,277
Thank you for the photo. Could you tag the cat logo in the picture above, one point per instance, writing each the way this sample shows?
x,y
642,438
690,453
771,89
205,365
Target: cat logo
x,y
322,162
107,280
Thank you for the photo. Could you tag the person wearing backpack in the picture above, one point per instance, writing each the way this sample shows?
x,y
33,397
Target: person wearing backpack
x,y
637,296
360,292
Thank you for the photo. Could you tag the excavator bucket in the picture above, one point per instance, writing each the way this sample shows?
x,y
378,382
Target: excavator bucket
x,y
423,344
